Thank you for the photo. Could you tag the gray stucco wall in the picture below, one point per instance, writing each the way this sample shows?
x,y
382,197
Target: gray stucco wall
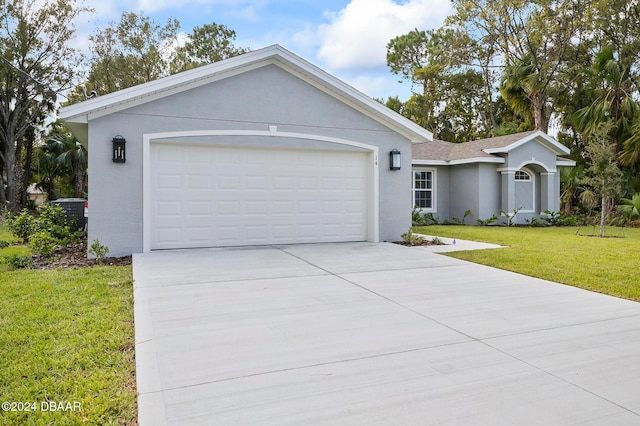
x,y
540,160
490,190
255,100
465,191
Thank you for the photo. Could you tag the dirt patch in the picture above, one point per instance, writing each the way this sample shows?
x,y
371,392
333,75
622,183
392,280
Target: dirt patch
x,y
75,256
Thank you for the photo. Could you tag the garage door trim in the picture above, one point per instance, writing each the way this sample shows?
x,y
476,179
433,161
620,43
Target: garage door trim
x,y
148,139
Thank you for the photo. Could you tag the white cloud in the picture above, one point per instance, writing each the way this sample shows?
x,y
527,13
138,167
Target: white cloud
x,y
357,35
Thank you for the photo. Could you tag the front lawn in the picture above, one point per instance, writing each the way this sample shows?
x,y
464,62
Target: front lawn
x,y
67,337
606,265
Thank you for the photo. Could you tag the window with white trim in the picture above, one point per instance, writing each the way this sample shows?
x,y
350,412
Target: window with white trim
x,y
423,189
521,175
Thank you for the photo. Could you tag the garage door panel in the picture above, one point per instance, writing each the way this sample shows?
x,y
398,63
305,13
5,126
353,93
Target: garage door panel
x,y
207,196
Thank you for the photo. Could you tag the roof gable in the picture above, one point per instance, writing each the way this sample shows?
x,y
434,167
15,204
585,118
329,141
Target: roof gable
x,y
482,150
78,115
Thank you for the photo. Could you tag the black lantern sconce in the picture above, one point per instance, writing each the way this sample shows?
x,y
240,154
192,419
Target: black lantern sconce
x,y
119,152
394,160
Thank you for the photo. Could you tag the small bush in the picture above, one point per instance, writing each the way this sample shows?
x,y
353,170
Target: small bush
x,y
43,243
410,238
19,261
52,220
4,243
98,250
486,222
22,225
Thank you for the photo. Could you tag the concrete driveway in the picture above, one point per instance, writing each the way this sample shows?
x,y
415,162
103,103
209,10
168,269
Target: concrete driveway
x,y
374,334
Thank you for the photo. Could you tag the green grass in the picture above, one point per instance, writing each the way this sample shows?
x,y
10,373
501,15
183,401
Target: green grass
x,y
67,336
605,265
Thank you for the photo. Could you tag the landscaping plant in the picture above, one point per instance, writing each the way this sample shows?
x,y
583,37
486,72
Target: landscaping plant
x,y
98,250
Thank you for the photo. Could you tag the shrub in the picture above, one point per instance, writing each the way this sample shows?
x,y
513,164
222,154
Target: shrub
x,y
489,221
98,250
4,243
22,225
19,261
511,217
52,220
535,222
411,238
43,243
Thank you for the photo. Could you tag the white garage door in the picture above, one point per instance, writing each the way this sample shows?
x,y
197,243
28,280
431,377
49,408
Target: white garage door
x,y
212,196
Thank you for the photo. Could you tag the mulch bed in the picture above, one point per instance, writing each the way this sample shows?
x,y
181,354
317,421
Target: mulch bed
x,y
422,243
75,256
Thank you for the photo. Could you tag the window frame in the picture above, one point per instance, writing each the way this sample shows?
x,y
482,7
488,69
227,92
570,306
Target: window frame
x,y
522,172
433,191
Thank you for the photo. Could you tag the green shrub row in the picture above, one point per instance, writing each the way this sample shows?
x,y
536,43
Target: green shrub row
x,y
48,229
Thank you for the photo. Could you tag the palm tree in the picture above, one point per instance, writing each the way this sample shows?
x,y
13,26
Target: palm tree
x,y
630,208
74,160
61,157
614,102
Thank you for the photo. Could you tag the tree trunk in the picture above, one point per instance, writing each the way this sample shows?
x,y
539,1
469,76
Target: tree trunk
x,y
541,123
79,183
3,196
26,169
568,202
10,164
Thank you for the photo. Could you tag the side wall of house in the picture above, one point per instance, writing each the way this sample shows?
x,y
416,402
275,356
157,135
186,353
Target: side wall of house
x,y
490,190
255,100
464,191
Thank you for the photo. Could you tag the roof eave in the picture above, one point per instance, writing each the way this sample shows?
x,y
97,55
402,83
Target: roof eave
x,y
545,139
102,105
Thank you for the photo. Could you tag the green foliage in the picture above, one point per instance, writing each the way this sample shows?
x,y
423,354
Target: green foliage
x,y
44,232
457,221
511,217
18,261
630,208
61,169
22,225
4,244
420,219
206,45
430,219
98,250
138,50
558,219
436,241
535,222
410,238
43,243
489,221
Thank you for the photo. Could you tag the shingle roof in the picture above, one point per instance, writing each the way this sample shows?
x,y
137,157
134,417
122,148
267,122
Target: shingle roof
x,y
447,151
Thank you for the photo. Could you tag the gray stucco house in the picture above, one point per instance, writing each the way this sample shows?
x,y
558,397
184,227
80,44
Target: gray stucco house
x,y
266,148
515,172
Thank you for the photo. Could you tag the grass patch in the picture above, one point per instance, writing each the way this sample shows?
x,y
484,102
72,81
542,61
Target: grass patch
x,y
67,336
604,265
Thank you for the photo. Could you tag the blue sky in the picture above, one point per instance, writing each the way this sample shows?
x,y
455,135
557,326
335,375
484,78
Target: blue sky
x,y
346,38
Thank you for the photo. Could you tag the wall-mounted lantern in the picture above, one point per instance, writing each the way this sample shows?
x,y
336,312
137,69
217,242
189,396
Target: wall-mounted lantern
x,y
394,160
119,152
